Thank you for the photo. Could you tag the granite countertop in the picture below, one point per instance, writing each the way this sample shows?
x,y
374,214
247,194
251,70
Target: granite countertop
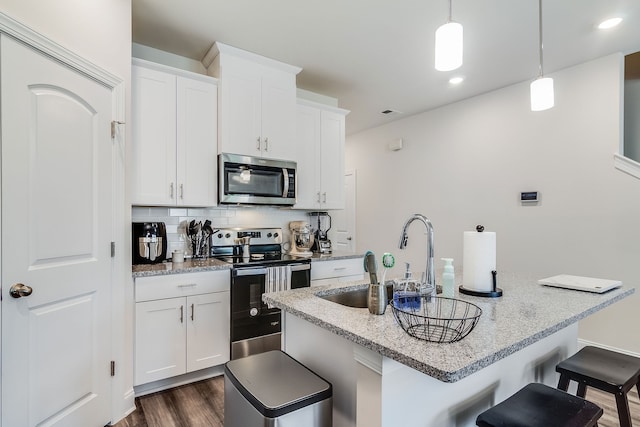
x,y
209,264
526,313
188,266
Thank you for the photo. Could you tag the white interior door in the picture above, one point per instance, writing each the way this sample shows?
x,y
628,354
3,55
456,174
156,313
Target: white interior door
x,y
56,228
345,219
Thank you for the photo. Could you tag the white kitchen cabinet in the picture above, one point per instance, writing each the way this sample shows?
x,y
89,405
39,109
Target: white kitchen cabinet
x,y
174,137
182,324
340,270
257,104
320,137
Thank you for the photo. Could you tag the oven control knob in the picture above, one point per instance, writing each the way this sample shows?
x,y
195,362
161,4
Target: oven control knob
x,y
253,312
275,235
269,235
219,235
227,235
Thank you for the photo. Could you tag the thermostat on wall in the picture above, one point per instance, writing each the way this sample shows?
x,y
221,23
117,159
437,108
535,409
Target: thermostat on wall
x,y
529,196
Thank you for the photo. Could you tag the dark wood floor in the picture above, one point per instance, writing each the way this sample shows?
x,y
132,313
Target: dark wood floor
x,y
198,404
202,404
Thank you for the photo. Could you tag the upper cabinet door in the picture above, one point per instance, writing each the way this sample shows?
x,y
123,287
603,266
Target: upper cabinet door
x,y
308,155
175,116
154,137
278,115
320,154
197,118
240,109
257,103
332,160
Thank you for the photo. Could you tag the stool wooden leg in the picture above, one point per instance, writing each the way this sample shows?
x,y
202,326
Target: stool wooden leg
x,y
623,410
563,383
582,390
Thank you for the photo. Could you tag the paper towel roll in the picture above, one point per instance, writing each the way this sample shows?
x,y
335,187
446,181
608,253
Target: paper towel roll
x,y
479,260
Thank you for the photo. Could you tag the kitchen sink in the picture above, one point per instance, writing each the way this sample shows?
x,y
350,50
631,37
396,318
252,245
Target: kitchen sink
x,y
356,298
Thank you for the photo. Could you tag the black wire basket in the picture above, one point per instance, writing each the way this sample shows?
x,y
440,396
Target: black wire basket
x,y
436,319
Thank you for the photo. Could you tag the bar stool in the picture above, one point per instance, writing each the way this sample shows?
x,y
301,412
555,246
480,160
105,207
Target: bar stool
x,y
538,405
606,370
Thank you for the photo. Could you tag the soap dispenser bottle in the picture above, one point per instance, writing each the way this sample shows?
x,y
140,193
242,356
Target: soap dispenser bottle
x,y
405,292
448,278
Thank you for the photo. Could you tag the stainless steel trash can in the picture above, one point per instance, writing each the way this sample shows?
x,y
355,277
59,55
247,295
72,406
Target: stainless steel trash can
x,y
274,390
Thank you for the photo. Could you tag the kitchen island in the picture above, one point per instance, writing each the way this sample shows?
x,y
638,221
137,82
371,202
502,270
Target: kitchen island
x,y
384,377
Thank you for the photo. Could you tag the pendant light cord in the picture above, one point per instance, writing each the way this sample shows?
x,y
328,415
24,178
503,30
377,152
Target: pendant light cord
x,y
540,34
450,8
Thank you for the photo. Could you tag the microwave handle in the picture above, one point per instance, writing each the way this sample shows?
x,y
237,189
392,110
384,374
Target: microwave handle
x,y
285,173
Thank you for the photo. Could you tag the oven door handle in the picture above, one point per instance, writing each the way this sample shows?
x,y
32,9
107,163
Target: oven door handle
x,y
300,267
249,272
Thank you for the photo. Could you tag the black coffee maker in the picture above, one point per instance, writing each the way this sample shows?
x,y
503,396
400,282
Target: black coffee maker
x,y
149,242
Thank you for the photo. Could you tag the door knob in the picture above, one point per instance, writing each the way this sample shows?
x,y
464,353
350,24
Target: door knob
x,y
19,290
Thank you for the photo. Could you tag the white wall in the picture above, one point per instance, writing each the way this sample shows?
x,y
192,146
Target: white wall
x,y
99,31
466,164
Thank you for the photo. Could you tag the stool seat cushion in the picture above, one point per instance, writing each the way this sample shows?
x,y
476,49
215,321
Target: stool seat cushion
x,y
608,370
538,405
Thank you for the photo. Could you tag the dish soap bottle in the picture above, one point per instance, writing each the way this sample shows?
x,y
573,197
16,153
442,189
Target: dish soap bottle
x,y
448,278
405,292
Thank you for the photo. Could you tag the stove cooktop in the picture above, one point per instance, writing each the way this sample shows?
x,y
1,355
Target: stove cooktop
x,y
261,259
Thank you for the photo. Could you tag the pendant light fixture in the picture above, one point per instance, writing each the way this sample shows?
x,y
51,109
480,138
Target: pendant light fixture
x,y
449,45
542,97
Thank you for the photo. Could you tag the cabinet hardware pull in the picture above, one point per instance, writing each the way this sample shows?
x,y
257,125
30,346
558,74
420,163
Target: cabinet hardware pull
x,y
171,190
192,312
324,197
339,268
182,191
258,143
266,144
182,314
188,285
318,196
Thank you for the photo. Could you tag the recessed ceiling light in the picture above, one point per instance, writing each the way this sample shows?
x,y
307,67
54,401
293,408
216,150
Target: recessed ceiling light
x,y
609,23
456,80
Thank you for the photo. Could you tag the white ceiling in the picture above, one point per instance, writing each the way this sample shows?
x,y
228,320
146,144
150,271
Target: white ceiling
x,y
378,54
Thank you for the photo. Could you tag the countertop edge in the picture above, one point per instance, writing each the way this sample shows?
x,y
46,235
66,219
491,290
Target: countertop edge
x,y
444,376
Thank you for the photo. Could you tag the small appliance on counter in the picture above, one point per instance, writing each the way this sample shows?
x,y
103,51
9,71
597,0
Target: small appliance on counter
x,y
301,239
320,226
149,242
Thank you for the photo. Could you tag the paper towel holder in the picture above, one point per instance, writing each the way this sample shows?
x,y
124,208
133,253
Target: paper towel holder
x,y
495,292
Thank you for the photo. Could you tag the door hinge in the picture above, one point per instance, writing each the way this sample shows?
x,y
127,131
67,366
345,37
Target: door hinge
x,y
113,249
113,127
113,368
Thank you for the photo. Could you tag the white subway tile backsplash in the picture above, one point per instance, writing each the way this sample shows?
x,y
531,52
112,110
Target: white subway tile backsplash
x,y
178,212
176,220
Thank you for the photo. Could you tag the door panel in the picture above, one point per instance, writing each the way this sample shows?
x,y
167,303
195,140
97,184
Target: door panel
x,y
63,125
345,219
56,232
208,330
160,339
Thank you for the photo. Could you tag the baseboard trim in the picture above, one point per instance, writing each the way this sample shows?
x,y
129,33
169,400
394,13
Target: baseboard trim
x,y
584,343
168,383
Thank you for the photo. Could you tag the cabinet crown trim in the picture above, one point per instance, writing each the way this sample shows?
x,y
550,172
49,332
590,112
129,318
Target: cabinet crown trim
x,y
172,70
325,107
219,48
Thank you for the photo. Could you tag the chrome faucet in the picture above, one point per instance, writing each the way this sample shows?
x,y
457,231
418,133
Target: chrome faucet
x,y
430,276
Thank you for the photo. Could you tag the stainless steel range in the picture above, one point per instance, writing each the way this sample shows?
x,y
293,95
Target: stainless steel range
x,y
259,266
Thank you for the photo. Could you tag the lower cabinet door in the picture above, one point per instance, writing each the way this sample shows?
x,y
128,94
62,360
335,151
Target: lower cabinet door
x,y
207,341
160,339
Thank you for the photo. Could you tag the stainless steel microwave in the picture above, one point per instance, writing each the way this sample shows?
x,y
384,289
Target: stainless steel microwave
x,y
256,180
